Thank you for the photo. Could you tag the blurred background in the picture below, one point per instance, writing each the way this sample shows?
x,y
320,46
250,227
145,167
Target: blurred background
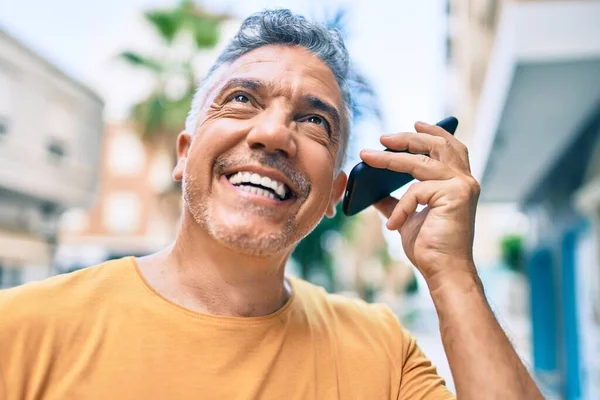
x,y
93,94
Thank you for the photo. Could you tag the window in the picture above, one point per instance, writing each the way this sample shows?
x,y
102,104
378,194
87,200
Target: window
x,y
60,126
3,126
122,212
126,154
159,176
57,149
5,102
74,220
10,277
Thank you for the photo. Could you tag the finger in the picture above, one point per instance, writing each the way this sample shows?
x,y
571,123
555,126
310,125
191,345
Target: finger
x,y
412,142
438,131
434,130
418,193
436,147
419,166
386,206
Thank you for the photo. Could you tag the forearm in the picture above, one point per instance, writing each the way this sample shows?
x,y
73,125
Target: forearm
x,y
483,362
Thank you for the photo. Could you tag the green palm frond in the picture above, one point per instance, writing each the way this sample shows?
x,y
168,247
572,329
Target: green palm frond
x,y
149,114
167,23
206,33
141,61
160,114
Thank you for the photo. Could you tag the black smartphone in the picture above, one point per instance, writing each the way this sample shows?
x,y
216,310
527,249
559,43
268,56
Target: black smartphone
x,y
367,185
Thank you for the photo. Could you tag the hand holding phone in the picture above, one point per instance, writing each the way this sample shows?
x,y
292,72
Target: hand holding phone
x,y
368,185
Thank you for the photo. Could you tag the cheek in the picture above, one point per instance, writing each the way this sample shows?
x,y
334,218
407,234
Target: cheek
x,y
319,163
214,138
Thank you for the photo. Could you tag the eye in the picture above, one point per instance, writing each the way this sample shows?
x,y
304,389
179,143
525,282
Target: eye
x,y
316,120
319,121
241,98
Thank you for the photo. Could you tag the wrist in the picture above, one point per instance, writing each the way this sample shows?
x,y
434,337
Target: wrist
x,y
455,278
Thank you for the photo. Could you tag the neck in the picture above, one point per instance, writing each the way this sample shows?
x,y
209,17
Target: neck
x,y
200,274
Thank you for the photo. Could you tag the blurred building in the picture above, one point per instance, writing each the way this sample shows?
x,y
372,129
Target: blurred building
x,y
529,86
136,211
50,133
472,29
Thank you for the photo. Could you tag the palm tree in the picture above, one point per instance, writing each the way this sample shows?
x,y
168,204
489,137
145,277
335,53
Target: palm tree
x,y
184,30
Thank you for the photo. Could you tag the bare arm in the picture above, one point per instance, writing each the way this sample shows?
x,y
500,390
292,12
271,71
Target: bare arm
x,y
483,362
438,240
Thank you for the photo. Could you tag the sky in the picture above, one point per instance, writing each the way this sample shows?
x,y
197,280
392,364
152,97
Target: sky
x,y
398,45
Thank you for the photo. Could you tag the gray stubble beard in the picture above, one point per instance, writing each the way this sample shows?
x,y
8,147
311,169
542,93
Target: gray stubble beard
x,y
241,242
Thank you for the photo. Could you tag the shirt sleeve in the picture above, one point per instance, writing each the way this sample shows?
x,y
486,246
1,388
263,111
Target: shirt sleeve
x,y
419,379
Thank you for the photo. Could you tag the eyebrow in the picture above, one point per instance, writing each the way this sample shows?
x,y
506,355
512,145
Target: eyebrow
x,y
244,83
311,101
318,104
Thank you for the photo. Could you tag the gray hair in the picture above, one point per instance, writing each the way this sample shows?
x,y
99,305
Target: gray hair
x,y
282,27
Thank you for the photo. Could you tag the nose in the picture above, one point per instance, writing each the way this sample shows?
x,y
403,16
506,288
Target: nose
x,y
272,133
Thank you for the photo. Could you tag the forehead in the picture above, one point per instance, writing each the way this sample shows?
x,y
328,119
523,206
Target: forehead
x,y
290,70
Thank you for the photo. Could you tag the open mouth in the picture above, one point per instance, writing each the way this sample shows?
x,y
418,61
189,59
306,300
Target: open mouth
x,y
252,182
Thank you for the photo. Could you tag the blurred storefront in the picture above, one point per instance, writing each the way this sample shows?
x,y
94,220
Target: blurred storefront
x,y
50,132
137,207
537,143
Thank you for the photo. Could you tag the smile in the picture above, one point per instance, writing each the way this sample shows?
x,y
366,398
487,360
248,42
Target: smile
x,y
254,183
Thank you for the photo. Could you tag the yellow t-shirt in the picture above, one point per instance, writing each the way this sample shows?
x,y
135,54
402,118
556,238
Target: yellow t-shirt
x,y
104,333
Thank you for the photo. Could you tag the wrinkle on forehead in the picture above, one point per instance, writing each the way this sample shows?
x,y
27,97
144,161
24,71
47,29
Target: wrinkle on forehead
x,y
286,67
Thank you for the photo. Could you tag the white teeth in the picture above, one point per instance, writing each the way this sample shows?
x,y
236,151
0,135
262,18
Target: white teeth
x,y
280,190
265,181
258,191
236,178
256,179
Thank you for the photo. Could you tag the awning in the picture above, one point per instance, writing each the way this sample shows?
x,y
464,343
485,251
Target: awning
x,y
541,87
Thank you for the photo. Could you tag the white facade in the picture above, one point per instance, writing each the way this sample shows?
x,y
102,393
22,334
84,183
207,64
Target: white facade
x,y
536,125
50,138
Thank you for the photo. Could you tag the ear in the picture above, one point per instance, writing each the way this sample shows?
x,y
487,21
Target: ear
x,y
184,141
337,192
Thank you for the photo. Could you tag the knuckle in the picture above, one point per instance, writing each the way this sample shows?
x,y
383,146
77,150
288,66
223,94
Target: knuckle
x,y
439,141
475,187
468,186
413,188
425,159
464,149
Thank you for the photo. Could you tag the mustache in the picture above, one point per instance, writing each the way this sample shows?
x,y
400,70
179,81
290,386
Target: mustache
x,y
271,160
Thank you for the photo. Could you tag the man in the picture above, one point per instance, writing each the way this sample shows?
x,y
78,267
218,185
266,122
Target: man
x,y
213,316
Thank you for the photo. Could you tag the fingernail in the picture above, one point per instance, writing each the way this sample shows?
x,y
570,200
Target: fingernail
x,y
422,123
370,150
387,135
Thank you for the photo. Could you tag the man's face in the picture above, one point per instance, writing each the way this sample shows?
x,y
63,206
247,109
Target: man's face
x,y
260,171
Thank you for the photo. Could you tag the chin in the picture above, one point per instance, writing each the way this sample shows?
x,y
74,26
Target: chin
x,y
251,242
252,230
246,233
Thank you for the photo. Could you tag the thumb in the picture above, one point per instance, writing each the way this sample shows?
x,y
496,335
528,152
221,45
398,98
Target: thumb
x,y
386,206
